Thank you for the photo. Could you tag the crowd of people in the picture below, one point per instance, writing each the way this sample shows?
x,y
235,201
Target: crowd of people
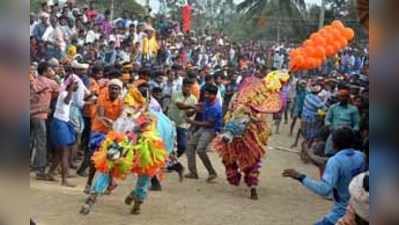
x,y
83,64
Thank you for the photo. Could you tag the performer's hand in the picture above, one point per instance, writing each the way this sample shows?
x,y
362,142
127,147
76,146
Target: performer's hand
x,y
292,174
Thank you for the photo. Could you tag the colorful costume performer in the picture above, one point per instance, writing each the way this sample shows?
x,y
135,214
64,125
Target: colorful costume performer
x,y
143,152
241,145
155,143
113,160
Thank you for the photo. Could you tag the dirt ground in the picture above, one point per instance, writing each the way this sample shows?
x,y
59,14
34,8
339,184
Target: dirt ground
x,y
281,201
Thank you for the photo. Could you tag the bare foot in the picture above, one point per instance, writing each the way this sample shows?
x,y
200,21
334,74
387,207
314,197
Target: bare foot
x,y
211,178
130,198
136,208
191,176
254,194
181,176
67,184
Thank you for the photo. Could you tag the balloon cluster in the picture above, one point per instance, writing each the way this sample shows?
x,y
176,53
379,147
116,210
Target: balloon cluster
x,y
325,43
186,17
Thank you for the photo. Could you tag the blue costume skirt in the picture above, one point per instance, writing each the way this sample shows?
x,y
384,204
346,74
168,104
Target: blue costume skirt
x,y
62,133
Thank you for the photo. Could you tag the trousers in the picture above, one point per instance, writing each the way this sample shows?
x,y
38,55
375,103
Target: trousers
x,y
38,137
198,144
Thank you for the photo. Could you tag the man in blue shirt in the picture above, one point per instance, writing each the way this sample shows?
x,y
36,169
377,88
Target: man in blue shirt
x,y
209,124
340,170
341,114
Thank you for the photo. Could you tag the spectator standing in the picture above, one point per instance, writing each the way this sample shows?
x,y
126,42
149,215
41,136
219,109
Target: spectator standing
x,y
43,89
182,102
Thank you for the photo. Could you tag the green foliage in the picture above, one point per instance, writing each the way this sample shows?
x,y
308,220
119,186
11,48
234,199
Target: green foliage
x,y
35,5
273,19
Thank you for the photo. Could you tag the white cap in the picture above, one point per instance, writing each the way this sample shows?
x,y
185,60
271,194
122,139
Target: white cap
x,y
116,82
76,65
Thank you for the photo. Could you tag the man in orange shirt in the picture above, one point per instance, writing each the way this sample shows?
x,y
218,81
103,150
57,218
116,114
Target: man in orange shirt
x,y
89,113
109,108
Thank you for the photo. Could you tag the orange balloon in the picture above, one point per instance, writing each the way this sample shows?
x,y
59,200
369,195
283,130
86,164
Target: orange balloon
x,y
338,24
318,63
294,53
309,51
328,37
349,34
323,32
319,52
308,63
308,43
313,35
320,40
329,50
343,42
298,61
337,47
335,33
328,28
313,63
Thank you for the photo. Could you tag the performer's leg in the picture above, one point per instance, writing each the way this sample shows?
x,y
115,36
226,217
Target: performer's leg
x,y
252,179
155,184
140,193
92,172
233,174
175,165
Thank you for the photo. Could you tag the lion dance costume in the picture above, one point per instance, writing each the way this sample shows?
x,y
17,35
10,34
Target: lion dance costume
x,y
242,143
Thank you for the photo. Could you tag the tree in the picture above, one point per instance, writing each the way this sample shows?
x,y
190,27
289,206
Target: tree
x,y
283,18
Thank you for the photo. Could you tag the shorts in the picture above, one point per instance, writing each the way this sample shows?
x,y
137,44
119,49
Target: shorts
x,y
62,133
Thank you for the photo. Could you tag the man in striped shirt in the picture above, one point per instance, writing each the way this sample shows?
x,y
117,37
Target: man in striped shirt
x,y
43,89
310,123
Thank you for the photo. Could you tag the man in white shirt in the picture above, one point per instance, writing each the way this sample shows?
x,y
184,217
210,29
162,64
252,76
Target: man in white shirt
x,y
62,133
32,23
55,36
82,92
278,60
140,35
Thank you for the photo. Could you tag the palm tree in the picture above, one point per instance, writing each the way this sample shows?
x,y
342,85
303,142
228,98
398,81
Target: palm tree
x,y
283,14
